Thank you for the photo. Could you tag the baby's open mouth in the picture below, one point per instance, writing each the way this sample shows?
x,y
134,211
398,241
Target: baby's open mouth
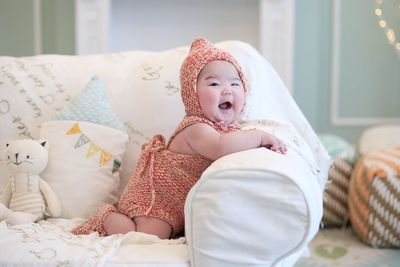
x,y
225,105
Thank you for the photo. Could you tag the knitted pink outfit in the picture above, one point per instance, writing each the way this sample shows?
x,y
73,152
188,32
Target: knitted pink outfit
x,y
163,178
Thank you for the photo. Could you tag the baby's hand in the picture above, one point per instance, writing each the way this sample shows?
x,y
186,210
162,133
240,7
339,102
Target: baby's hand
x,y
271,142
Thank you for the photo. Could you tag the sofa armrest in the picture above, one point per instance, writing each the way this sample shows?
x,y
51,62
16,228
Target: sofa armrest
x,y
252,208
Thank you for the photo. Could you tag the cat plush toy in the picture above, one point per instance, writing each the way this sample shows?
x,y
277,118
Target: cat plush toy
x,y
27,197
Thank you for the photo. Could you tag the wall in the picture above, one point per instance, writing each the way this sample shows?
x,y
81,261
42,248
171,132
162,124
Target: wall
x,y
58,26
346,82
181,22
29,27
16,31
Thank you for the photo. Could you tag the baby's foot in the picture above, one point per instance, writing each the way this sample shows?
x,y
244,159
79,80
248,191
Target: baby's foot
x,y
96,222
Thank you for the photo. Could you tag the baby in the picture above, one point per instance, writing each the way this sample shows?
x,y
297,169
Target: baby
x,y
213,89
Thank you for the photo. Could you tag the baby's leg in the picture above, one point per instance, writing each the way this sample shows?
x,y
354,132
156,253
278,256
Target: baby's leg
x,y
118,223
95,222
154,226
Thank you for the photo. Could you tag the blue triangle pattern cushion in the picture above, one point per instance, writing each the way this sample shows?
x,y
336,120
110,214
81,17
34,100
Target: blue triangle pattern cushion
x,y
91,106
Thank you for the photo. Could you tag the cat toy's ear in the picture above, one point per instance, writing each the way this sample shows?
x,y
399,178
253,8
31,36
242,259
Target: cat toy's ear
x,y
44,143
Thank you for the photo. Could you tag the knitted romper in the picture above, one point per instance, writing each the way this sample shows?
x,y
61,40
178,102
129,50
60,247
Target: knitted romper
x,y
163,178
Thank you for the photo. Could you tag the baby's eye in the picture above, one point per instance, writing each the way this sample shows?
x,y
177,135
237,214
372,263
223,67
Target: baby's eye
x,y
214,84
235,84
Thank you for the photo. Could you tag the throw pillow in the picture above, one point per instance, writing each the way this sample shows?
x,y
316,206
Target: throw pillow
x,y
87,142
378,137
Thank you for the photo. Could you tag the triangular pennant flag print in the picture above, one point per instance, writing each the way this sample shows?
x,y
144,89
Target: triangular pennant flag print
x,y
83,139
93,149
74,129
104,158
116,165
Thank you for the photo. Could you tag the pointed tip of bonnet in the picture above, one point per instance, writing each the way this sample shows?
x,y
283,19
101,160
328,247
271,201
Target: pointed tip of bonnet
x,y
200,43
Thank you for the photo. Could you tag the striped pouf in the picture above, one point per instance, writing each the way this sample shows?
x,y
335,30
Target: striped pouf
x,y
335,195
374,198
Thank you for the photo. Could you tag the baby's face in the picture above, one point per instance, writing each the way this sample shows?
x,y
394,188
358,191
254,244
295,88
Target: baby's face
x,y
220,91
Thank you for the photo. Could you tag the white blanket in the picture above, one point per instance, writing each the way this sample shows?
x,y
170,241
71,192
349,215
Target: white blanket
x,y
49,243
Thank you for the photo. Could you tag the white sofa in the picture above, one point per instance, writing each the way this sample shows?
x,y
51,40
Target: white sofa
x,y
253,208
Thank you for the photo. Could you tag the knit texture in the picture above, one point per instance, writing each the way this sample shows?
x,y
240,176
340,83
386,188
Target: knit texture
x,y
162,179
96,221
160,184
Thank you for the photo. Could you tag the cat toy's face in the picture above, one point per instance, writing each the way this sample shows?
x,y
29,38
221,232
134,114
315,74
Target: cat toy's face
x,y
26,156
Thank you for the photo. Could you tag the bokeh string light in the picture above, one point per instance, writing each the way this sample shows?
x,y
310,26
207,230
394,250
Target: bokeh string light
x,y
382,22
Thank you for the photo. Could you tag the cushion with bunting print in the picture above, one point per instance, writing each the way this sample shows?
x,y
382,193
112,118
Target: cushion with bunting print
x,y
89,141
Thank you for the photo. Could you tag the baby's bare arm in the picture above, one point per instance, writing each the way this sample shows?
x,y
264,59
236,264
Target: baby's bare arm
x,y
204,140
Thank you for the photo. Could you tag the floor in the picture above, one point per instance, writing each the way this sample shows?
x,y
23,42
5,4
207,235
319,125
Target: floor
x,y
342,248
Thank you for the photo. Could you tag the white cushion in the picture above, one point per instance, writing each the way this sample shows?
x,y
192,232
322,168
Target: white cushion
x,y
378,137
87,141
83,159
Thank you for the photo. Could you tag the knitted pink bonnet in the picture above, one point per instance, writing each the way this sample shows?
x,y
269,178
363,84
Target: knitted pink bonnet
x,y
201,52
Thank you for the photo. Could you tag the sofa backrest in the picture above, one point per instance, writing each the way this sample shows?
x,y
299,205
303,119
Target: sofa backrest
x,y
142,87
